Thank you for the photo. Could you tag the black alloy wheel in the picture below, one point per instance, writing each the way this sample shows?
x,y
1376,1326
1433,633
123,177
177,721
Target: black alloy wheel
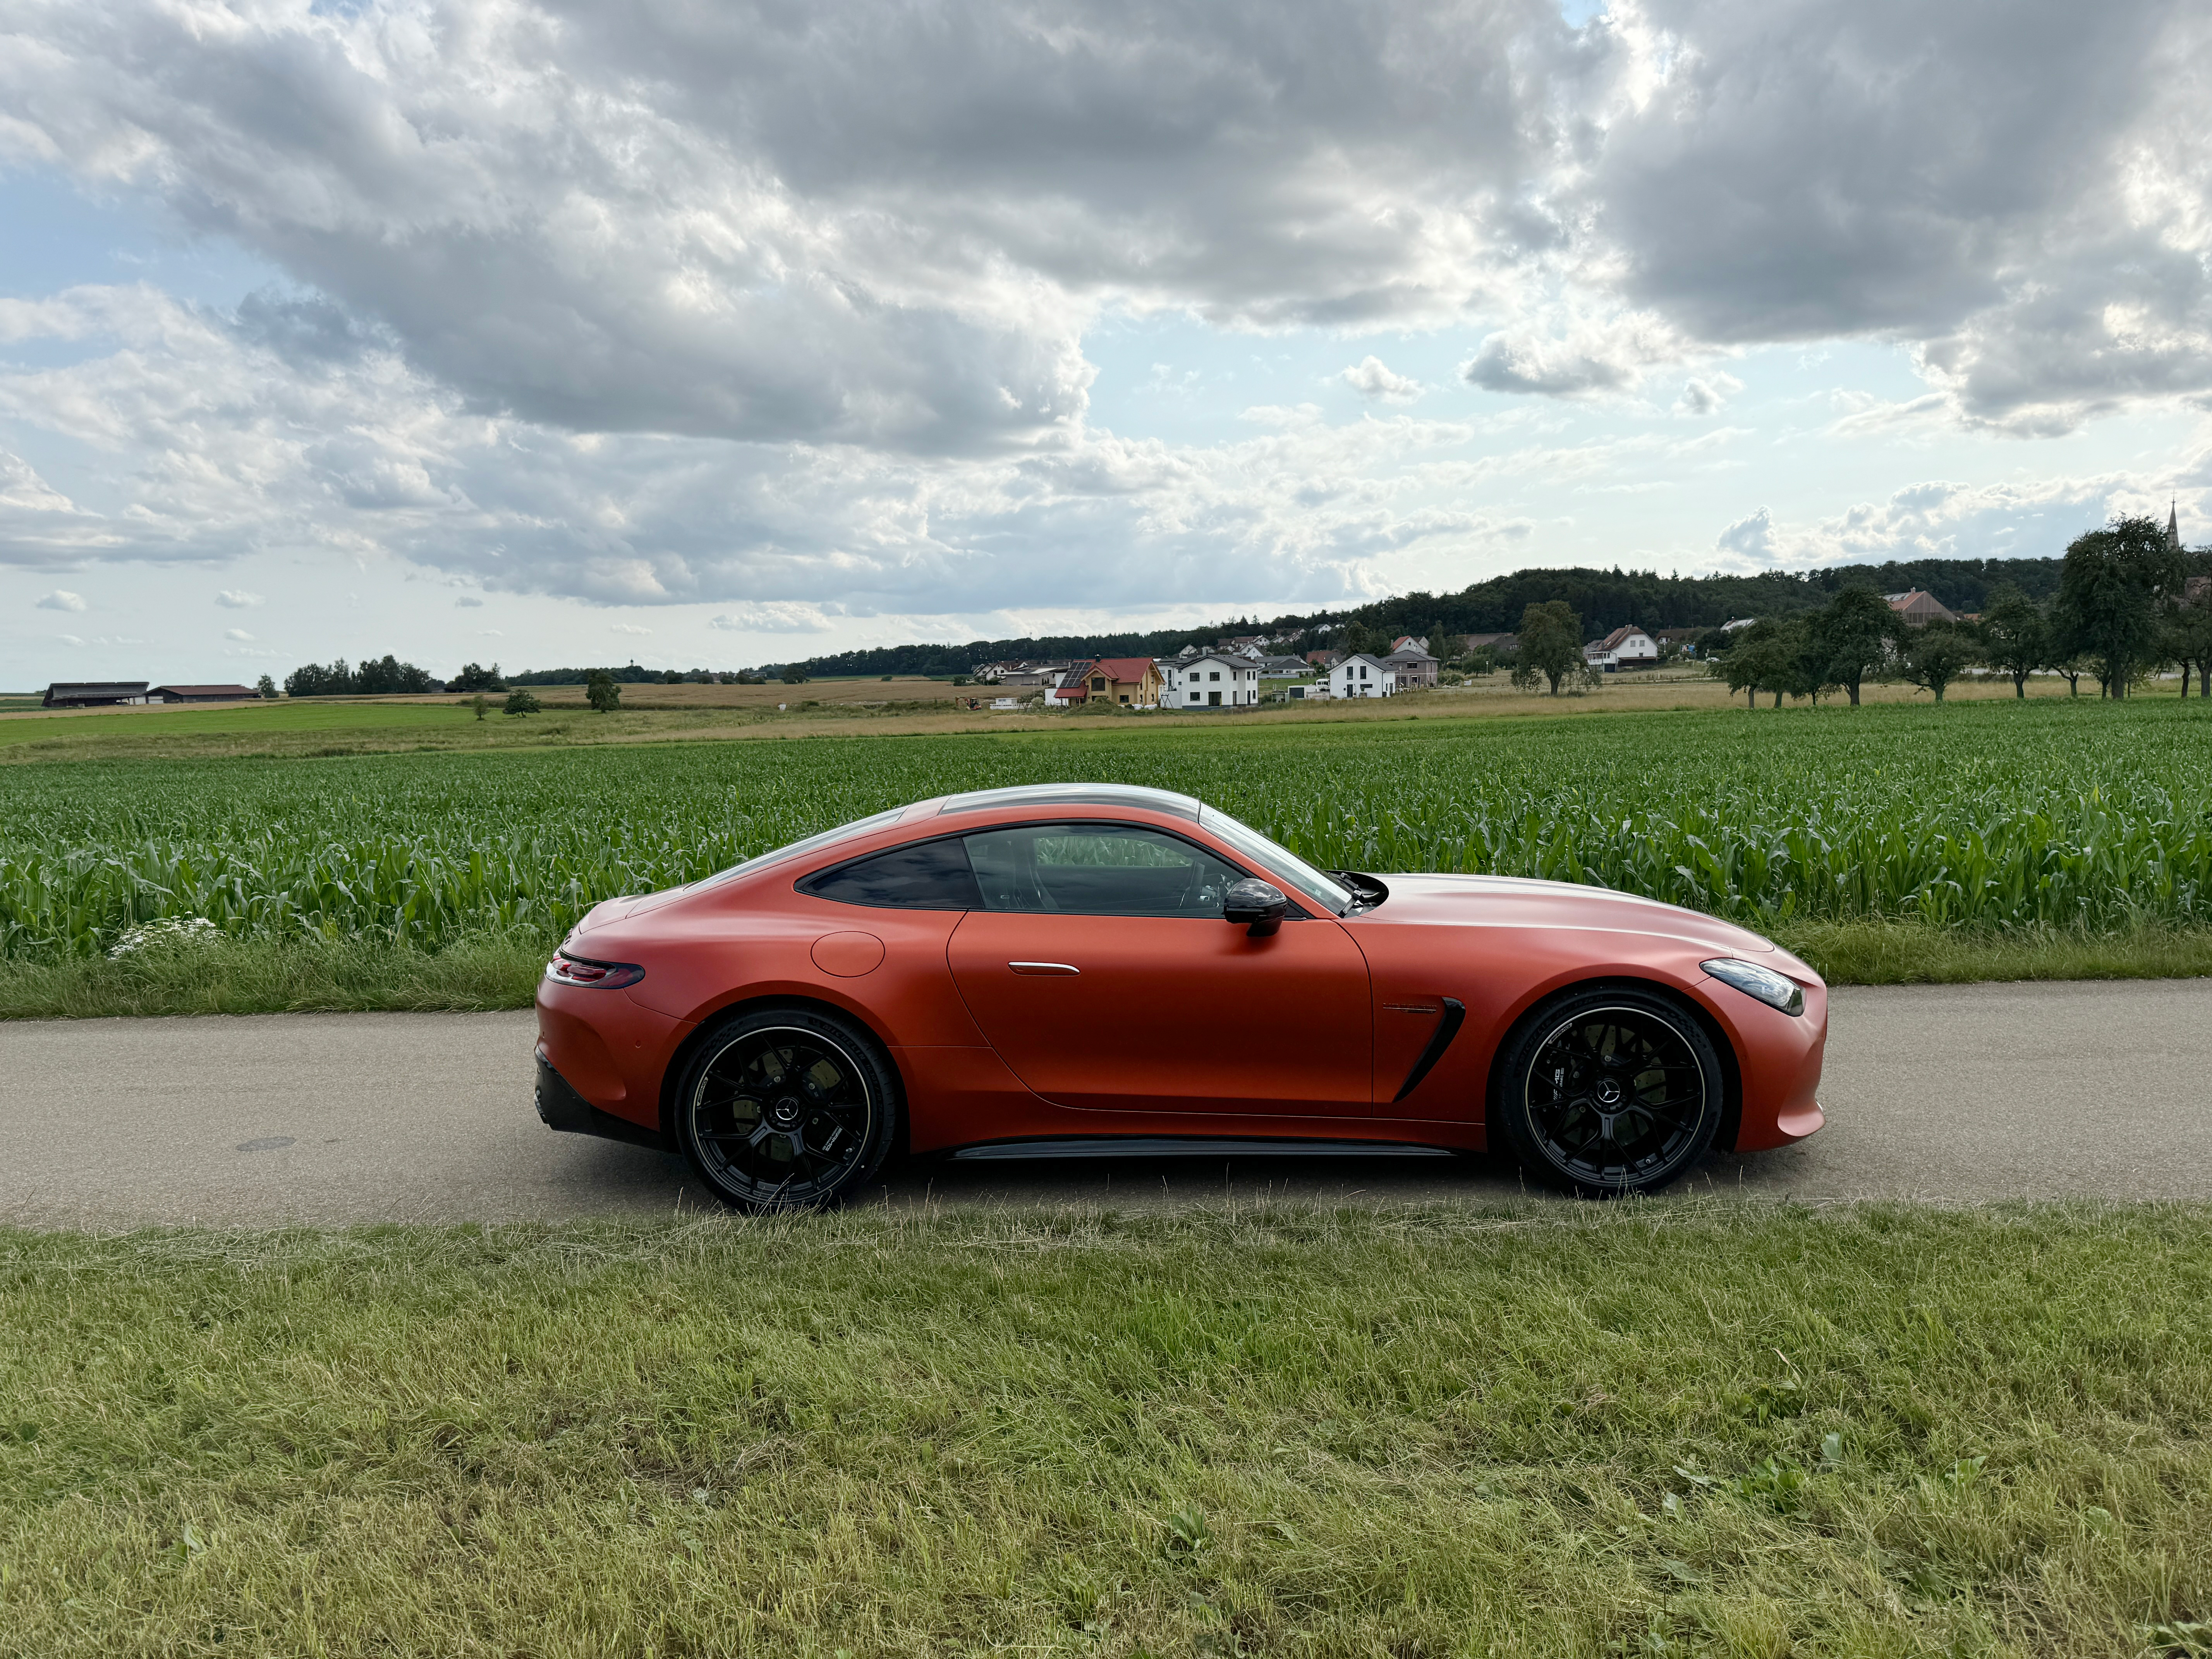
x,y
1610,1091
787,1110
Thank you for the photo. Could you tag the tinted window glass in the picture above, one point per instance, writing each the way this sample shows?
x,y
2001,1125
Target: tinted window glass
x,y
1279,862
931,875
1098,870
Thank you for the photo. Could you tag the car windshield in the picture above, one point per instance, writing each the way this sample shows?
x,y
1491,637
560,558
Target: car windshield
x,y
859,826
1321,888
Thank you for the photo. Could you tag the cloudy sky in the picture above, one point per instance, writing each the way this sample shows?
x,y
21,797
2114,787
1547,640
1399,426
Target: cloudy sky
x,y
717,331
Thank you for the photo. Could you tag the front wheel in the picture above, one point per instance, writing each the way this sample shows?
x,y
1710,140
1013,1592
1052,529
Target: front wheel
x,y
786,1108
1609,1091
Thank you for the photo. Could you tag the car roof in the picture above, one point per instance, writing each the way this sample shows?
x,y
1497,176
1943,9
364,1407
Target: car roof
x,y
1075,794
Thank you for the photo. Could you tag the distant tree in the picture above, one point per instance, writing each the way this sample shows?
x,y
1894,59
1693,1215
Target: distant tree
x,y
791,676
1767,656
1550,647
1807,671
386,676
267,688
2115,586
2015,637
477,678
2069,668
2188,642
601,691
1932,657
478,703
315,680
1855,635
671,677
1481,660
520,701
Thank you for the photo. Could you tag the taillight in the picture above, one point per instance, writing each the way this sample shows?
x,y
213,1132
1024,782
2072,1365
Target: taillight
x,y
565,969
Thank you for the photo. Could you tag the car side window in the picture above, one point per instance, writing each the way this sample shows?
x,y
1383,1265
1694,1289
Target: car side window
x,y
929,875
1098,870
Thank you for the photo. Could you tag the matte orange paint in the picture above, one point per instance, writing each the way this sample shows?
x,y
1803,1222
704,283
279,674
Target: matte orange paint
x,y
1168,1025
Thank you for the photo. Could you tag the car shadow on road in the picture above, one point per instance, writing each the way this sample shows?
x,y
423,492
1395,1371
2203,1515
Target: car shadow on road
x,y
636,1179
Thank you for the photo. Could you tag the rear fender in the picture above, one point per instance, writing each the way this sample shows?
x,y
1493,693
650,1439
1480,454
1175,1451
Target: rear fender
x,y
806,997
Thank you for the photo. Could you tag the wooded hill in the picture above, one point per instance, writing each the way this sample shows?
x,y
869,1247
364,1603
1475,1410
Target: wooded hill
x,y
1604,598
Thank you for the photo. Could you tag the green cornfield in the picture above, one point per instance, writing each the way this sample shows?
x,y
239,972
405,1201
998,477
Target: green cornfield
x,y
1972,814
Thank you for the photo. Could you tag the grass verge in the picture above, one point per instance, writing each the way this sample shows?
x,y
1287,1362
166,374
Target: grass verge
x,y
1906,953
266,976
1647,1429
262,976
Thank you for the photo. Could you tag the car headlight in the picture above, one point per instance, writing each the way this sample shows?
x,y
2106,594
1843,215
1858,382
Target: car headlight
x,y
1775,990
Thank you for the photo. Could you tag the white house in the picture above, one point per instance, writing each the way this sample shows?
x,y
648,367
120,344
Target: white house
x,y
1625,647
1212,680
1362,676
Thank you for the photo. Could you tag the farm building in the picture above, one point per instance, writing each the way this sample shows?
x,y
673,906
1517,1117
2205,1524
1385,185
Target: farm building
x,y
1917,608
203,694
94,694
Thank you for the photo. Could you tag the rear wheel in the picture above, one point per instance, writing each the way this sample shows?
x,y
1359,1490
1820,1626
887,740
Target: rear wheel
x,y
786,1108
1609,1091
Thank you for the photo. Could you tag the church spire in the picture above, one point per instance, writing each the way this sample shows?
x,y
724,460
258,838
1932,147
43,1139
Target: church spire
x,y
2173,523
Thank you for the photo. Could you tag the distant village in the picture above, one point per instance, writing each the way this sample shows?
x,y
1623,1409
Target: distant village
x,y
1237,671
1241,670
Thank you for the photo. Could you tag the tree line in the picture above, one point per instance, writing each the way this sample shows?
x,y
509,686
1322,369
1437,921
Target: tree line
x,y
2120,610
1602,600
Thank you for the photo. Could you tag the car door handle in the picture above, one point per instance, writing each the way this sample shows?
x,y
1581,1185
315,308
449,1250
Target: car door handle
x,y
1059,970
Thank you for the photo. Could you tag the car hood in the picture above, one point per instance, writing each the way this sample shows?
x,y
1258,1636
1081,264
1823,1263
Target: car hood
x,y
1517,901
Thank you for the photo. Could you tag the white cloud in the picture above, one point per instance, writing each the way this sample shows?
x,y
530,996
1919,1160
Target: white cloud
x,y
238,634
71,640
1371,377
670,304
772,619
237,598
628,627
62,600
1751,537
1707,394
468,602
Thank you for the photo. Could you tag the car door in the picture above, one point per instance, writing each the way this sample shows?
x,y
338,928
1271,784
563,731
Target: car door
x,y
1101,971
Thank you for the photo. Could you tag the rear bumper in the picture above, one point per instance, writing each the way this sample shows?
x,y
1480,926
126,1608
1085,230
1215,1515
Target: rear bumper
x,y
560,1107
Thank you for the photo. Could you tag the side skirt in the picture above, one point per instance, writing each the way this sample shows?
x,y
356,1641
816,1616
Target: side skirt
x,y
1190,1146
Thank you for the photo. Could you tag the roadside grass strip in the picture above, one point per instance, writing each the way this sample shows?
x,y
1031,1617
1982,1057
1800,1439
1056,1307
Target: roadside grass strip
x,y
1652,1428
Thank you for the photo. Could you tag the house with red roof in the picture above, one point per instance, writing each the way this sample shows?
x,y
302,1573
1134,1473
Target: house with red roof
x,y
1125,682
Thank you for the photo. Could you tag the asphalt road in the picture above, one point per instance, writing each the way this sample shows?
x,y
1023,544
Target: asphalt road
x,y
1956,1093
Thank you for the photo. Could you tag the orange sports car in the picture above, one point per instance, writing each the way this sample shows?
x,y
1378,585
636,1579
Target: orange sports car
x,y
1072,969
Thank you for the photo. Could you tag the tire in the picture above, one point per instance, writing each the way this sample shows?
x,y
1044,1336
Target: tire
x,y
786,1108
1637,1052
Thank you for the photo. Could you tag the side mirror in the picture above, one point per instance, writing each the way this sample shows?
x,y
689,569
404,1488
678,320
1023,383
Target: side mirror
x,y
1259,903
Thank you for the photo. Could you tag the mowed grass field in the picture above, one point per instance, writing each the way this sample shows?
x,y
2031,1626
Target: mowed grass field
x,y
1980,839
1641,1430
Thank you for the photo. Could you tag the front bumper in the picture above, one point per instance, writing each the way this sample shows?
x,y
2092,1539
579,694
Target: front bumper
x,y
560,1107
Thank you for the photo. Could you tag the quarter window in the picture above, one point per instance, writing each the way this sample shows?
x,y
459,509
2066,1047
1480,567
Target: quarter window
x,y
930,875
